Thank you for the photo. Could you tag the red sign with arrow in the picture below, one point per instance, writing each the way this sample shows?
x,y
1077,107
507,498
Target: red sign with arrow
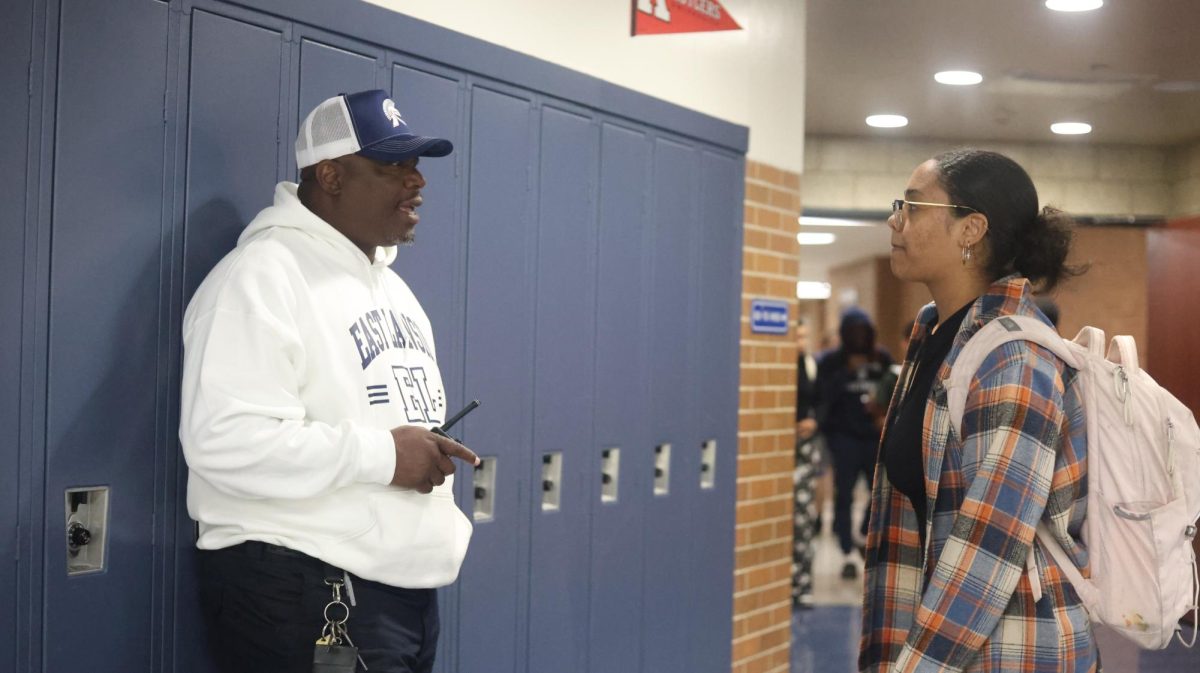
x,y
651,17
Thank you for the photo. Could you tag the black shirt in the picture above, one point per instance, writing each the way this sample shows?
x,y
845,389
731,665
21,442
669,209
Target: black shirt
x,y
902,454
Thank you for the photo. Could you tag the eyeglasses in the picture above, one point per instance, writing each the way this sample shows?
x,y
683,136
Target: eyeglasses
x,y
898,207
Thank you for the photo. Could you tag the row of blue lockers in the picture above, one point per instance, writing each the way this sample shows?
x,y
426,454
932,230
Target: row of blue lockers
x,y
579,257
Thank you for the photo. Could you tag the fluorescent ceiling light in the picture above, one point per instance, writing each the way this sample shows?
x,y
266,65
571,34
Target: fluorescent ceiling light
x,y
809,221
1071,128
958,77
887,121
809,289
1074,5
815,238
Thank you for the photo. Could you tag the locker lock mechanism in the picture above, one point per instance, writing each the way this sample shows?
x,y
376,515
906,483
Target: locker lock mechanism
x,y
86,524
77,537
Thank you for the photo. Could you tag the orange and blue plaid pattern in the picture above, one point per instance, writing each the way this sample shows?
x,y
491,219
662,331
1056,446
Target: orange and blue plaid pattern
x,y
965,602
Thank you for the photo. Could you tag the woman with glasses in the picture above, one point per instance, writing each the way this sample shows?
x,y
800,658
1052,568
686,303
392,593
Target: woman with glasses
x,y
954,515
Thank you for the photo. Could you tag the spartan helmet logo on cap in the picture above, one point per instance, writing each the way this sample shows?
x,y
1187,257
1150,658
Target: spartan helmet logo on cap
x,y
389,109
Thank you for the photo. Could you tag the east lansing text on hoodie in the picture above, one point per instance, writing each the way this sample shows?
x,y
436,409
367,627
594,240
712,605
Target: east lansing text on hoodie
x,y
299,356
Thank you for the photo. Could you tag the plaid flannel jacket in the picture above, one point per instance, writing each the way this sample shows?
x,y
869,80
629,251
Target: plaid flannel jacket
x,y
965,602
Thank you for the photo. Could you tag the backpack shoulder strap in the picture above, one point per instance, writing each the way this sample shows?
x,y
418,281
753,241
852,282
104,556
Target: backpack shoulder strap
x,y
990,337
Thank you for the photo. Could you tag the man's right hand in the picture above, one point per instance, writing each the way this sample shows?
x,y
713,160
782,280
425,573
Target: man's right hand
x,y
423,458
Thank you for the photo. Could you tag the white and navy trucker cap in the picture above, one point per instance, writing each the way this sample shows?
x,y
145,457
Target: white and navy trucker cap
x,y
366,123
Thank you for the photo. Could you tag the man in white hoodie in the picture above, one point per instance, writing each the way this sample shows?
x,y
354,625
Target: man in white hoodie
x,y
311,390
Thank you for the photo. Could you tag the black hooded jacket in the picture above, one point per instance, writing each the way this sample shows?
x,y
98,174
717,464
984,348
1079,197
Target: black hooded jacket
x,y
844,394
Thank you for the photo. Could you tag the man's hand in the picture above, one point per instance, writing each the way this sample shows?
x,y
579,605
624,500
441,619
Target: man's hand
x,y
806,428
423,458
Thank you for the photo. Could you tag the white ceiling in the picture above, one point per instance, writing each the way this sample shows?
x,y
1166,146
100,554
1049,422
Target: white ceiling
x,y
1039,66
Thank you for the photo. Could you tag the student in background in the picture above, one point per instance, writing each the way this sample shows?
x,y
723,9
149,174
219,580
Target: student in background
x,y
847,382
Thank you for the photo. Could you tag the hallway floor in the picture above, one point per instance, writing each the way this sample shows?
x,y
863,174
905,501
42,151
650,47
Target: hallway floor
x,y
825,638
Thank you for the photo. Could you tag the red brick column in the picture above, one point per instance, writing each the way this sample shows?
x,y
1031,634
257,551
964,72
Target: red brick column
x,y
766,429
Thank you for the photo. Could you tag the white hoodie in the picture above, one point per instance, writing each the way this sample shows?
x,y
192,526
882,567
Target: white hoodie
x,y
299,357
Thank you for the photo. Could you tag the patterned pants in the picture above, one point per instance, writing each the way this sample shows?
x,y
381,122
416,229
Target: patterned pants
x,y
804,518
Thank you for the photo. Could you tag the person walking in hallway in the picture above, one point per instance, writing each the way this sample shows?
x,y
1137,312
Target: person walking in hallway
x,y
847,382
954,516
311,390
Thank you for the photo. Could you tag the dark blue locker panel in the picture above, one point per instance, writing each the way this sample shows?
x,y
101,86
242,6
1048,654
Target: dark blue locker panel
x,y
15,56
666,625
104,321
236,135
715,397
327,70
499,372
434,266
622,401
431,101
233,162
563,392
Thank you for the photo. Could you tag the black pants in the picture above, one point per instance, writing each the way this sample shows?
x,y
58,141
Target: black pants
x,y
851,456
263,605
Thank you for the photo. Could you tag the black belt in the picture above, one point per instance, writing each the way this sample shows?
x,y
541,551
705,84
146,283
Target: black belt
x,y
261,550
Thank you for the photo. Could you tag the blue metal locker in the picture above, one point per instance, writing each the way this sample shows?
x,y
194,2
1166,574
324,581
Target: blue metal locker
x,y
573,271
493,611
16,192
105,318
327,70
622,402
237,134
233,163
563,393
666,627
431,100
715,389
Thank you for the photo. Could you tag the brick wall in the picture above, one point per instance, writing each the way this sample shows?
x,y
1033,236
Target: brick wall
x,y
766,429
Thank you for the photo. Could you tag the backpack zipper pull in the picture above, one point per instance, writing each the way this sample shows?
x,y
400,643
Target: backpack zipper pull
x,y
1170,448
1121,380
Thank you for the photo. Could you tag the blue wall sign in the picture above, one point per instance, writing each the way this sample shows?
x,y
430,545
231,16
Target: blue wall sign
x,y
768,317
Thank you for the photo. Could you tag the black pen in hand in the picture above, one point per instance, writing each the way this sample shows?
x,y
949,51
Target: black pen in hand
x,y
441,430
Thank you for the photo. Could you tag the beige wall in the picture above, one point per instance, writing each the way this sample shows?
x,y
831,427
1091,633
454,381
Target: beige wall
x,y
1112,294
853,284
867,173
753,77
1185,181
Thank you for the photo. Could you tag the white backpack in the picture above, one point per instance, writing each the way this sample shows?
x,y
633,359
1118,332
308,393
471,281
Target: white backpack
x,y
1143,497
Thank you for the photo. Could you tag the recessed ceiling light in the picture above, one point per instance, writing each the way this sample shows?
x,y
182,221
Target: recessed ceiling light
x,y
815,238
1071,128
1074,5
810,289
887,121
958,77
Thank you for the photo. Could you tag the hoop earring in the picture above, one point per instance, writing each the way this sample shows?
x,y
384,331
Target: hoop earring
x,y
966,254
